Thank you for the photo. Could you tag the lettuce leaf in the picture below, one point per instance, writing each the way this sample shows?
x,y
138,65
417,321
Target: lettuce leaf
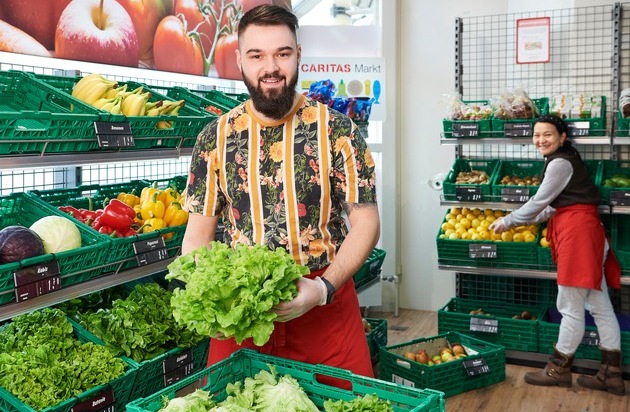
x,y
232,291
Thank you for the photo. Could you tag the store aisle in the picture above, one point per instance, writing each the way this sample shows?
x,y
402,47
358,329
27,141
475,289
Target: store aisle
x,y
513,394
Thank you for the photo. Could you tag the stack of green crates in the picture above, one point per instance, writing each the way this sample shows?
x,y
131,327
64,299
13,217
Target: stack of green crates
x,y
495,322
75,266
453,377
247,363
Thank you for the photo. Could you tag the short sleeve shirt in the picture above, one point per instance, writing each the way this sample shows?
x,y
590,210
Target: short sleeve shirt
x,y
282,184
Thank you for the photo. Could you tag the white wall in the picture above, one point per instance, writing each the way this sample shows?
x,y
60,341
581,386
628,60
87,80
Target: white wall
x,y
426,72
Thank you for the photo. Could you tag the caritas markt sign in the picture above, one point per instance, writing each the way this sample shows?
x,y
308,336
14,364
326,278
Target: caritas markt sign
x,y
362,77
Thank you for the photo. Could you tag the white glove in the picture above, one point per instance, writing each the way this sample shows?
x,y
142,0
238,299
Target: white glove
x,y
311,293
498,226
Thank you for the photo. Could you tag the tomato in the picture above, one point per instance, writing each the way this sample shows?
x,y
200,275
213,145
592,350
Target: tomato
x,y
225,57
213,109
146,15
174,50
198,17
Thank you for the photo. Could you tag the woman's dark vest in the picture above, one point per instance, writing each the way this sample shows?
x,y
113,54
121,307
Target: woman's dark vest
x,y
581,188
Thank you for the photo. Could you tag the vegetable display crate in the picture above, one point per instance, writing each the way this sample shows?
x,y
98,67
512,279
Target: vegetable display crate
x,y
163,370
121,255
519,127
187,124
247,363
241,97
202,100
371,269
614,183
620,238
376,337
487,253
518,169
469,191
589,347
36,118
545,261
225,100
120,389
484,365
623,125
468,128
75,266
508,289
588,126
495,322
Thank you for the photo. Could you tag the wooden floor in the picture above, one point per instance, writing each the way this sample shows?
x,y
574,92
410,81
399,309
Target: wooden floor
x,y
513,394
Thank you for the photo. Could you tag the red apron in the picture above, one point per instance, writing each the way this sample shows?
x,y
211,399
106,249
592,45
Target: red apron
x,y
577,238
332,335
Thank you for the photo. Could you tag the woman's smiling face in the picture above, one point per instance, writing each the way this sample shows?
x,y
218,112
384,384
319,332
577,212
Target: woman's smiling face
x,y
547,139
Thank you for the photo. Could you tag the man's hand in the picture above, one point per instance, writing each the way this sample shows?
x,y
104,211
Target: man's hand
x,y
498,226
311,293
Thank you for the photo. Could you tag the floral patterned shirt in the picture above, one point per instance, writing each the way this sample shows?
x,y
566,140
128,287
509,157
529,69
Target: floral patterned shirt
x,y
282,184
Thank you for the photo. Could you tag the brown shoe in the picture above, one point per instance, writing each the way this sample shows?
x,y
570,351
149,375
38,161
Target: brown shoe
x,y
608,378
556,373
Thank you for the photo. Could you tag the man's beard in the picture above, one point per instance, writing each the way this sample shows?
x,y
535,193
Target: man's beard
x,y
277,105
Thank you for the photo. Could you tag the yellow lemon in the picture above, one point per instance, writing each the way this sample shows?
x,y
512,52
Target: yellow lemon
x,y
533,228
506,236
442,236
484,223
488,212
518,237
456,211
495,236
499,213
449,216
459,217
529,237
453,236
446,226
544,232
476,211
465,222
475,236
544,242
485,235
475,223
460,231
466,236
449,232
471,230
470,216
465,211
452,222
459,226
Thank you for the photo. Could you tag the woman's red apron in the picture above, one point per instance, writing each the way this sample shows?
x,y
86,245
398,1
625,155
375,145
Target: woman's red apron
x,y
331,334
577,238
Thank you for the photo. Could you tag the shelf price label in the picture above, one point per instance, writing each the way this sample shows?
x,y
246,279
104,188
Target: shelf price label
x,y
113,134
518,129
466,129
482,250
514,194
36,280
591,338
178,366
577,129
150,250
103,402
468,193
484,325
476,367
620,197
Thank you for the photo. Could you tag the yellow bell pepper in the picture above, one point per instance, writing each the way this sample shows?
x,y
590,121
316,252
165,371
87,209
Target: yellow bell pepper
x,y
175,215
148,192
151,225
129,199
152,208
138,209
169,195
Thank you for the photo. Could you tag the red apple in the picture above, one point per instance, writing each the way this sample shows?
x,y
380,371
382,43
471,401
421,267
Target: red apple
x,y
146,15
99,31
38,20
15,40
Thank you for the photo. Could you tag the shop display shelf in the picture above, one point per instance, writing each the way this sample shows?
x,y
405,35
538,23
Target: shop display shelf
x,y
480,128
496,322
484,365
247,363
75,266
452,190
519,169
499,125
613,169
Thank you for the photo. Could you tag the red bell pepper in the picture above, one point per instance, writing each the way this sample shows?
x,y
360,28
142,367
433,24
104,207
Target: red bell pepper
x,y
117,215
74,212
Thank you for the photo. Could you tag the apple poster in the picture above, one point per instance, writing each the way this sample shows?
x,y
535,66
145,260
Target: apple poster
x,y
184,36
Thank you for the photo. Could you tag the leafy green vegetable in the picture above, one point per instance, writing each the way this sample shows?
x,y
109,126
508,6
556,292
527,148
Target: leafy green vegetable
x,y
42,364
367,403
141,326
232,291
197,401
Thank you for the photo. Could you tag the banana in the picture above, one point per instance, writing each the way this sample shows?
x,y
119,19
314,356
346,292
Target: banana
x,y
127,102
170,108
116,108
134,104
116,91
111,103
153,108
103,101
87,83
96,92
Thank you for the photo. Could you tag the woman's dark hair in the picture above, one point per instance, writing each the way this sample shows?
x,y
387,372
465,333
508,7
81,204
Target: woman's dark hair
x,y
560,125
268,15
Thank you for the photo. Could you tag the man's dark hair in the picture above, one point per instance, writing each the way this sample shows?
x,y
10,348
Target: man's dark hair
x,y
268,15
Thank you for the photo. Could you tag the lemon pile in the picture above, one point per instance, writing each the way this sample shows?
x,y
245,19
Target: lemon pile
x,y
473,224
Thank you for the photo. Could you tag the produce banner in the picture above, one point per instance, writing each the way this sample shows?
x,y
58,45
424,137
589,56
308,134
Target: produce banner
x,y
183,36
353,77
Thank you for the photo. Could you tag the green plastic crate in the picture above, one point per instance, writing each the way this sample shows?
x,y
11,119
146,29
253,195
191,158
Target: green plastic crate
x,y
498,125
121,388
515,334
223,99
520,169
509,255
371,269
508,289
75,266
247,363
545,261
610,168
36,118
450,188
596,125
241,97
620,239
121,255
377,337
452,377
623,125
484,126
